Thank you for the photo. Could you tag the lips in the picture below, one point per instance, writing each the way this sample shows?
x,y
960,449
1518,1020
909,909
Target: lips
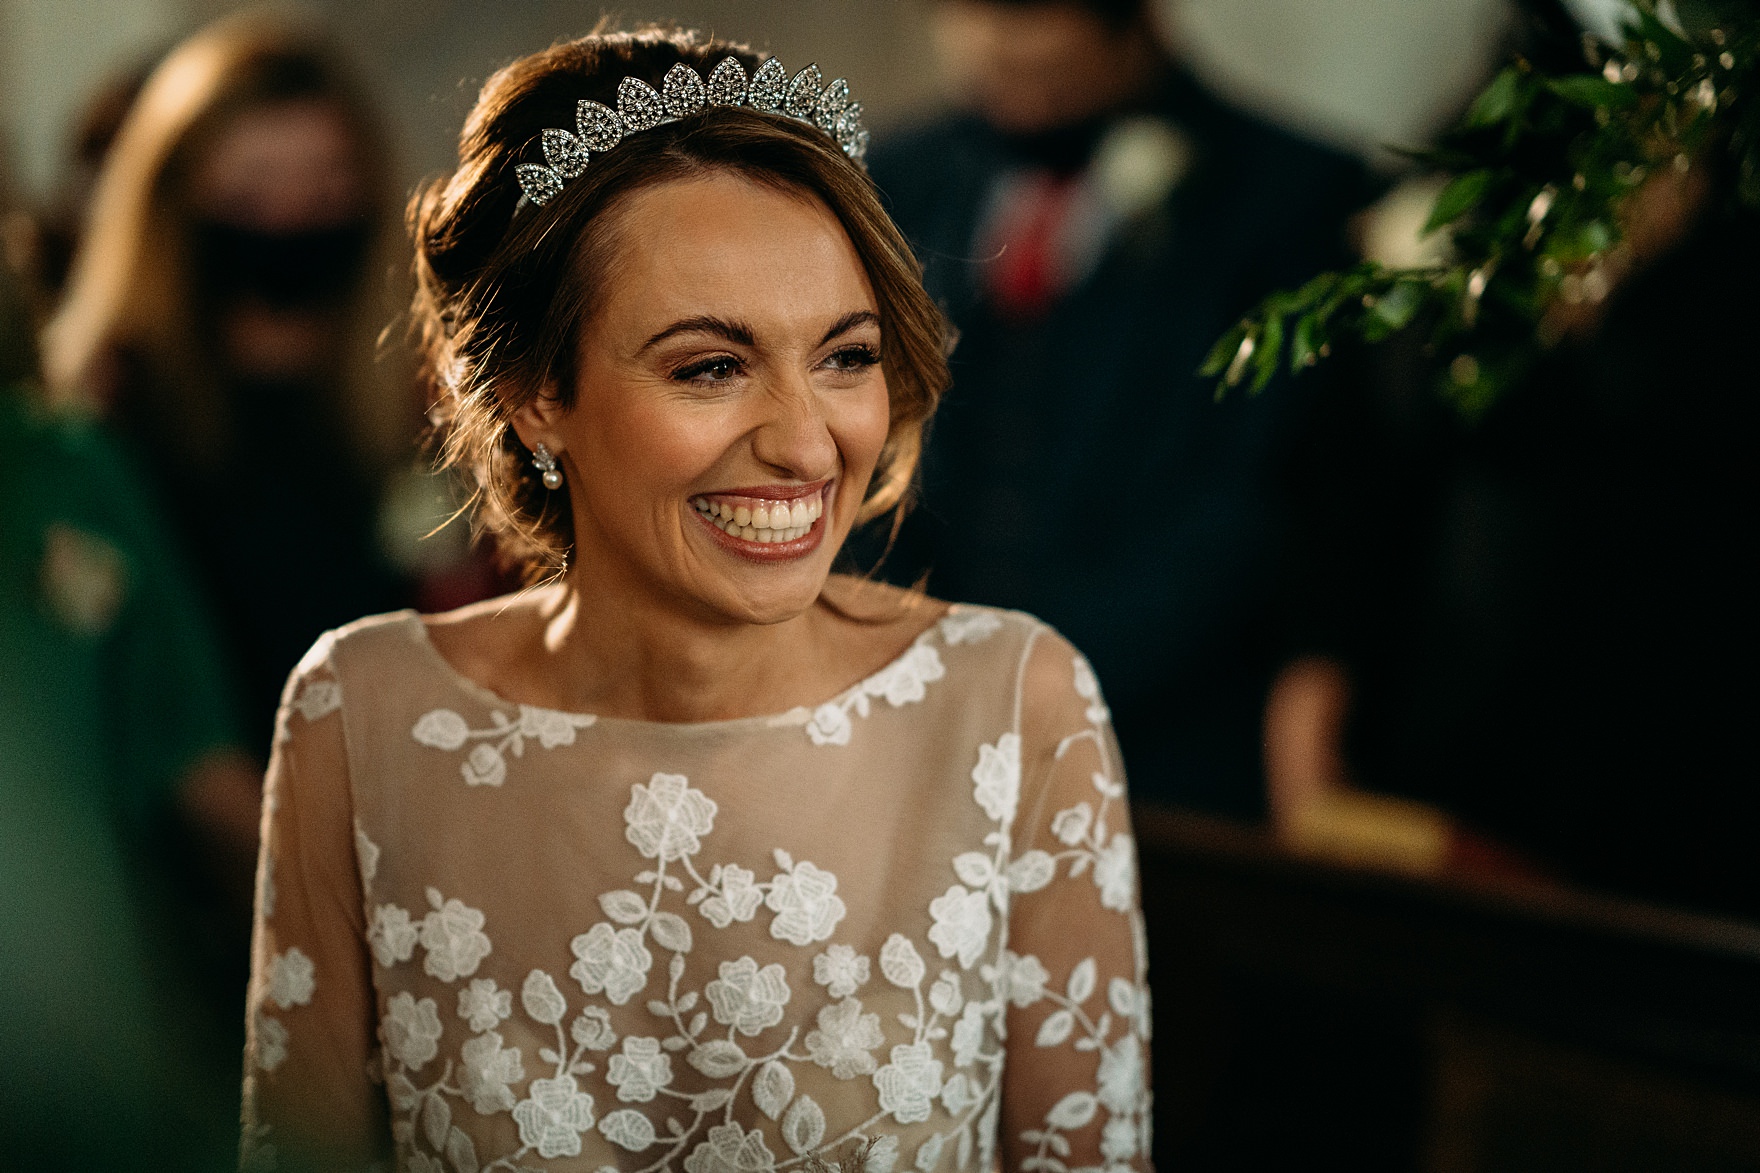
x,y
768,523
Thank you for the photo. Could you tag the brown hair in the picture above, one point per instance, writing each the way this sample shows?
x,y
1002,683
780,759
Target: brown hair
x,y
502,289
132,295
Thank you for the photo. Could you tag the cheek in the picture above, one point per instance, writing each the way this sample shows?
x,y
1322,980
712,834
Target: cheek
x,y
859,424
641,456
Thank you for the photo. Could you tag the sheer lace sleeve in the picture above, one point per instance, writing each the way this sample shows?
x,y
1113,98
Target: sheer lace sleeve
x,y
308,1096
1075,1089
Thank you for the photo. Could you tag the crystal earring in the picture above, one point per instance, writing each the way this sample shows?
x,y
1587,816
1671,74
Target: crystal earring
x,y
545,463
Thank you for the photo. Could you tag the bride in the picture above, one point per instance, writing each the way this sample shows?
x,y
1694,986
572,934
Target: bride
x,y
694,855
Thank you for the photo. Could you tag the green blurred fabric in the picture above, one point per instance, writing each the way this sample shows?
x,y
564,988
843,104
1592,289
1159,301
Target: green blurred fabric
x,y
110,691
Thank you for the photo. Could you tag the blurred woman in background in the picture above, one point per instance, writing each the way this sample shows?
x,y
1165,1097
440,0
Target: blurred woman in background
x,y
223,312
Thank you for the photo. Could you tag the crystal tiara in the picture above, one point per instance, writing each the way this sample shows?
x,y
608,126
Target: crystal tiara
x,y
682,93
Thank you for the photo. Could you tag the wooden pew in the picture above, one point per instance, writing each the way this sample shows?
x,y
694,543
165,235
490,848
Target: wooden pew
x,y
1310,1016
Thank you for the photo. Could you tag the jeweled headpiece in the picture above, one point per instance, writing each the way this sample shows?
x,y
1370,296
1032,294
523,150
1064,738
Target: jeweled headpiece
x,y
598,127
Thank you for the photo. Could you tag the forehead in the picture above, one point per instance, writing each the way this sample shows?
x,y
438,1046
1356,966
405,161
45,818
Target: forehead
x,y
279,164
724,245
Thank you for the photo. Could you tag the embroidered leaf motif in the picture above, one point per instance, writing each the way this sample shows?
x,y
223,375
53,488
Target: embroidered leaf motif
x,y
624,907
901,963
719,1059
542,1000
772,1089
597,125
804,1126
549,1055
1081,981
436,1120
442,728
461,1151
1031,872
670,932
1054,1030
974,868
1073,1111
1123,996
627,1129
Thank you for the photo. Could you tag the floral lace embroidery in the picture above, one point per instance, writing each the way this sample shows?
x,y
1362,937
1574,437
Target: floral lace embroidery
x,y
905,681
486,764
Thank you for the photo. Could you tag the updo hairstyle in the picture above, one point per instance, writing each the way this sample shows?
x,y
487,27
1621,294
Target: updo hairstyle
x,y
502,289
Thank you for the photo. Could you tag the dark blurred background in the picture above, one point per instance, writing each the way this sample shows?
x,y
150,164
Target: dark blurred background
x,y
1440,730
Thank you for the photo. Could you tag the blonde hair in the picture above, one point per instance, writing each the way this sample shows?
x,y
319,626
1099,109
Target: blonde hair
x,y
131,294
500,296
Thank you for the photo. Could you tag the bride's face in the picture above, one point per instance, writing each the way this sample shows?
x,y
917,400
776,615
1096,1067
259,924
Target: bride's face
x,y
729,406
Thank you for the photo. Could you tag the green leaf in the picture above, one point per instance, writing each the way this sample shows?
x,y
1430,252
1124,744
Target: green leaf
x,y
1457,199
1394,310
1223,352
1502,99
1594,92
1270,351
1304,347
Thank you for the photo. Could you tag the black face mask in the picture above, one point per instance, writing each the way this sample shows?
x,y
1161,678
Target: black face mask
x,y
287,270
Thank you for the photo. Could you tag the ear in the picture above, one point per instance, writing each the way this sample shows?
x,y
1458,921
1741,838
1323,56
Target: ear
x,y
538,419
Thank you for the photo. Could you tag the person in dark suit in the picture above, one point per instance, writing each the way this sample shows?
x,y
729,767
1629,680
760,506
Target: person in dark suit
x,y
1092,219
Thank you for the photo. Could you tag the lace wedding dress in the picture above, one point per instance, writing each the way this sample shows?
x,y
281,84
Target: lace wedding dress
x,y
496,937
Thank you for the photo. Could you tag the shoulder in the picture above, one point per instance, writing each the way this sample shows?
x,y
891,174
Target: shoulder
x,y
315,687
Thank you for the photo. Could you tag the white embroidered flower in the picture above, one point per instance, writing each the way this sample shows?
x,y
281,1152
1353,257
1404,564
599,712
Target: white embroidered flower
x,y
1121,1075
738,898
592,1029
291,979
612,961
1020,980
366,855
441,729
905,681
483,1005
392,935
665,818
910,1083
553,1115
968,1034
962,924
806,903
488,1067
730,1149
1118,1140
452,934
411,1030
1088,688
627,1129
845,1039
271,1042
947,995
550,727
747,998
1071,825
319,698
883,1155
830,725
484,767
640,1072
841,970
964,626
997,777
1115,871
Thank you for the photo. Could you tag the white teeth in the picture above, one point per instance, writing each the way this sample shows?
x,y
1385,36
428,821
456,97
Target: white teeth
x,y
761,518
742,516
797,516
777,522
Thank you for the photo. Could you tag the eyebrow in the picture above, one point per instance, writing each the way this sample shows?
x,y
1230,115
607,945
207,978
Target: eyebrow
x,y
739,332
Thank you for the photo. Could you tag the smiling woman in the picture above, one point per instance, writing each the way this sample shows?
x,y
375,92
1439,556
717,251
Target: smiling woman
x,y
682,358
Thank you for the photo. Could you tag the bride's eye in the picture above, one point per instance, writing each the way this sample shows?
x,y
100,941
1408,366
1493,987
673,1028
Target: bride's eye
x,y
853,358
721,368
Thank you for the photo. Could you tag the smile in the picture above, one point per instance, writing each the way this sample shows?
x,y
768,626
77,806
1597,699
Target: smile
x,y
762,520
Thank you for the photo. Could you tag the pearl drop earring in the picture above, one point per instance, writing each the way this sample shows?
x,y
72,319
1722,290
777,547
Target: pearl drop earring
x,y
545,463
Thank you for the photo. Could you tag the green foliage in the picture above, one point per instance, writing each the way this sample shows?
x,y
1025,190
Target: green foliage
x,y
1539,169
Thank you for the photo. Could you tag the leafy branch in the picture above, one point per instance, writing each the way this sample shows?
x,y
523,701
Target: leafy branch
x,y
1540,171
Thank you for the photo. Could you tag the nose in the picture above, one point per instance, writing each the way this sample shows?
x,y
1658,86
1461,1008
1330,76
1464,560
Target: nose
x,y
794,437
